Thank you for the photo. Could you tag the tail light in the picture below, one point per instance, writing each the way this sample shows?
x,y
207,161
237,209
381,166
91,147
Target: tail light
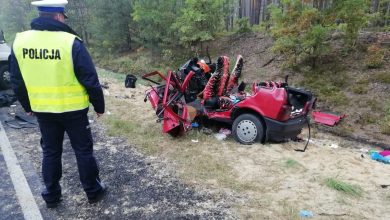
x,y
309,106
285,113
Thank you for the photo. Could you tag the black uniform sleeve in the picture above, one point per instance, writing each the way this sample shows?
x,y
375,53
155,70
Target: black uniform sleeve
x,y
87,76
17,83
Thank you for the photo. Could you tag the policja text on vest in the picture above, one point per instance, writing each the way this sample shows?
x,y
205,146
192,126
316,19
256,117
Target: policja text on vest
x,y
39,54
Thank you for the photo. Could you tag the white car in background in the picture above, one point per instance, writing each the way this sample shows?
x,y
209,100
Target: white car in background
x,y
5,52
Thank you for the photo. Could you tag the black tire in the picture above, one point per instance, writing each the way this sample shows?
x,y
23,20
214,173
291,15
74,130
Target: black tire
x,y
248,129
4,77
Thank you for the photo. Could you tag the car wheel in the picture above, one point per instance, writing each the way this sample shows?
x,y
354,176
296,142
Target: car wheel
x,y
248,129
4,77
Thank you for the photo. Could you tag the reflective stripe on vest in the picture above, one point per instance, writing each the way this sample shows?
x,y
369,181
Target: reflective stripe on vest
x,y
45,61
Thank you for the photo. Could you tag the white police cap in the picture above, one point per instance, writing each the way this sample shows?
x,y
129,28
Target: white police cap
x,y
50,5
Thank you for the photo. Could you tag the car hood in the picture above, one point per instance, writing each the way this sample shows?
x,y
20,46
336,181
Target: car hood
x,y
5,51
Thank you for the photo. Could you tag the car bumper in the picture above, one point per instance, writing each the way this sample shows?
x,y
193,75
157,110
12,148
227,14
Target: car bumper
x,y
280,131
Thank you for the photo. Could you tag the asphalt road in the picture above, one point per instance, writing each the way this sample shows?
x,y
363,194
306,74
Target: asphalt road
x,y
140,187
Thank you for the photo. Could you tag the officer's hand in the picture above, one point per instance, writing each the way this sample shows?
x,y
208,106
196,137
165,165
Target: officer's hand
x,y
29,113
99,114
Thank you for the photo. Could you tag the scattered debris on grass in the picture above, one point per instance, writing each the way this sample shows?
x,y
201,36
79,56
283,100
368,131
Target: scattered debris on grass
x,y
305,214
334,146
130,81
220,136
385,153
329,119
378,157
332,214
225,131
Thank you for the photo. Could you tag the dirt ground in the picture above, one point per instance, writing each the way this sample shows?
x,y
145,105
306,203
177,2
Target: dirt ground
x,y
270,181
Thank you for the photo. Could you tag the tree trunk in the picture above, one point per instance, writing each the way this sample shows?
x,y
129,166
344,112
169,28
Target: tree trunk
x,y
247,8
326,5
259,11
263,9
256,12
252,16
129,40
374,6
240,8
387,14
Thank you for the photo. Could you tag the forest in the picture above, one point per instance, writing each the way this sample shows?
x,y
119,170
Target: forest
x,y
123,25
336,50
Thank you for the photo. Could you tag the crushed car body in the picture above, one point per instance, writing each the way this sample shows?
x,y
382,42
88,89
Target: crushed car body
x,y
265,111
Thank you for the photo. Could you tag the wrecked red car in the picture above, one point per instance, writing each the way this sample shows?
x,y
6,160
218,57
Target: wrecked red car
x,y
265,111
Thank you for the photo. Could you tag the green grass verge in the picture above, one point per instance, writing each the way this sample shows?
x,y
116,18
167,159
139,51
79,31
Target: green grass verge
x,y
348,189
146,139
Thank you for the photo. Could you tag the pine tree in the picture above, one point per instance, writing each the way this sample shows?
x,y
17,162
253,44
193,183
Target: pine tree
x,y
111,23
200,21
299,32
154,20
79,18
353,14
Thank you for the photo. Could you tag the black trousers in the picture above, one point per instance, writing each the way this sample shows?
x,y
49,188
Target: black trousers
x,y
76,125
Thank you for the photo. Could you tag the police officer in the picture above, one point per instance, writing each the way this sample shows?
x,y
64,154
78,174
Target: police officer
x,y
53,76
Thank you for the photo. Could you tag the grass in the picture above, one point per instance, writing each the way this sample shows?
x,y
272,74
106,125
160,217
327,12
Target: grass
x,y
375,105
385,126
346,188
367,118
119,77
344,129
328,86
385,123
342,201
360,89
291,163
204,167
289,211
137,63
141,129
120,127
382,77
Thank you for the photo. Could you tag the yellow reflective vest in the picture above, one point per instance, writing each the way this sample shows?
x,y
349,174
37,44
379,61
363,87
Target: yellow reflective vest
x,y
45,61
